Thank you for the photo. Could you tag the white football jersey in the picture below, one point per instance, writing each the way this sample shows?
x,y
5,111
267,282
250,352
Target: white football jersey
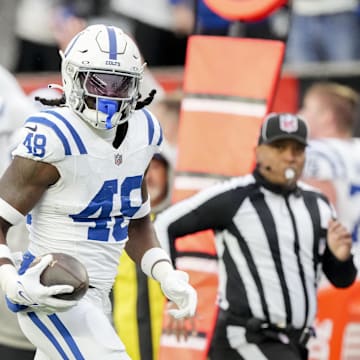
x,y
87,212
338,161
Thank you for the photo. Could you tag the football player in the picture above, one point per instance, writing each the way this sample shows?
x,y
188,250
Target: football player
x,y
78,174
332,159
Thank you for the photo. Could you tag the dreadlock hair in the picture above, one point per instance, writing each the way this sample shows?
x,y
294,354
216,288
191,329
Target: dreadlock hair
x,y
62,100
51,102
147,101
122,128
120,134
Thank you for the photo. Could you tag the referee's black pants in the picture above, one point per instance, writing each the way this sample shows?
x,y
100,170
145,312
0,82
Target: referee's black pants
x,y
234,342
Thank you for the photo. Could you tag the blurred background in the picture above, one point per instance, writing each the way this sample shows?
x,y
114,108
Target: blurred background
x,y
321,36
322,43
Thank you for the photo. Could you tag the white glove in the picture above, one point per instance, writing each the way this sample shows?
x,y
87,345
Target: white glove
x,y
175,285
27,290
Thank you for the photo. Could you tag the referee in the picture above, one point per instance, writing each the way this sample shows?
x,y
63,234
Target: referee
x,y
274,234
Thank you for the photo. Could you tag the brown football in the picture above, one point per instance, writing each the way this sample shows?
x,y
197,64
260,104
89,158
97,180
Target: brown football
x,y
65,270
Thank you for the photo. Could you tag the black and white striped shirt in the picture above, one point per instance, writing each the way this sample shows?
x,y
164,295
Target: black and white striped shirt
x,y
270,246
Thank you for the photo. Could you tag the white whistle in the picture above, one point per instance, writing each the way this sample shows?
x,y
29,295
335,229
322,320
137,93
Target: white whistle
x,y
289,174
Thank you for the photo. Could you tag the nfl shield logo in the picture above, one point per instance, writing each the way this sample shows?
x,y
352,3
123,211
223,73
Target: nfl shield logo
x,y
288,123
118,159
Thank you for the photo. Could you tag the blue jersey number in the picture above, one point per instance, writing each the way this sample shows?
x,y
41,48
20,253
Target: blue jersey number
x,y
100,207
35,144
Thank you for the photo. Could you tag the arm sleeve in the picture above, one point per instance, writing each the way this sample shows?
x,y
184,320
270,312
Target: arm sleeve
x,y
340,273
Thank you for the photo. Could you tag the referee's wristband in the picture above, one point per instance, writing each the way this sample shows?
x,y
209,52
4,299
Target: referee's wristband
x,y
156,263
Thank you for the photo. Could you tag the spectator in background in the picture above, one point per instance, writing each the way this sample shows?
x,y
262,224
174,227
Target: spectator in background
x,y
195,16
333,155
323,30
153,28
7,31
72,16
159,178
15,107
38,50
272,234
167,110
44,26
162,29
141,305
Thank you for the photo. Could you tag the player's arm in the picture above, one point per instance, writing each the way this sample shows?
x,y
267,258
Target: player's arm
x,y
142,236
21,187
144,248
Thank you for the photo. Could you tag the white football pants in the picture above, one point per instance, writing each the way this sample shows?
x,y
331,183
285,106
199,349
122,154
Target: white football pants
x,y
82,333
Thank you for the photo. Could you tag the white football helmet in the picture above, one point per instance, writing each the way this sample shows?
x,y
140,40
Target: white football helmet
x,y
101,72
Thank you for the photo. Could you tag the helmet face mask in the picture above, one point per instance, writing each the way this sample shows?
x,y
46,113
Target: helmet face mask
x,y
108,85
101,72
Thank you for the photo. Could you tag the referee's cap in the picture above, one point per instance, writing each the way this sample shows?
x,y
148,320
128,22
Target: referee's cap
x,y
283,126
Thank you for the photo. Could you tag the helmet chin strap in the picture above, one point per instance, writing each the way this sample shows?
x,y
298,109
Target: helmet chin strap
x,y
108,107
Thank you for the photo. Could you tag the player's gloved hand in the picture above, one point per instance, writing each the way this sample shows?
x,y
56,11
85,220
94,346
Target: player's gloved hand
x,y
175,285
27,290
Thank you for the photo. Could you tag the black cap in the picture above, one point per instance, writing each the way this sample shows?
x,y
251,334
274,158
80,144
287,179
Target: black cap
x,y
283,126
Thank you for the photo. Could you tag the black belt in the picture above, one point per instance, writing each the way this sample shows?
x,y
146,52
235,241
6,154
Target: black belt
x,y
285,334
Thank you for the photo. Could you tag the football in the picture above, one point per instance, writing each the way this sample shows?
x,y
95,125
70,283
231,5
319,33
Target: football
x,y
65,270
